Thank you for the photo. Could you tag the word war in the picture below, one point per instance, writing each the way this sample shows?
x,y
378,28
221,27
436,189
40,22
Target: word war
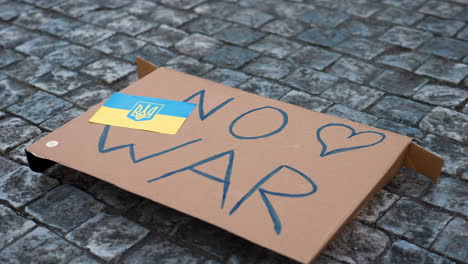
x,y
225,180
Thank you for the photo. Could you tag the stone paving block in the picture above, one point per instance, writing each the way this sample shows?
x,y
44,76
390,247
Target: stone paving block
x,y
406,37
454,155
450,194
306,100
83,260
351,114
406,4
19,153
189,65
8,57
12,226
43,246
172,17
22,185
250,17
404,60
465,176
269,68
28,69
362,48
157,217
65,208
34,18
310,81
87,97
442,95
113,3
207,26
453,240
76,8
292,10
114,196
313,57
239,35
8,11
364,10
405,252
164,36
415,222
441,9
400,110
13,36
60,119
323,37
157,249
354,70
353,95
140,7
15,131
408,183
377,207
440,26
227,77
231,56
324,17
107,236
400,83
357,243
209,238
283,27
88,35
362,29
59,26
156,55
181,4
109,70
398,128
119,45
41,46
130,25
446,122
11,91
102,17
275,46
6,166
73,56
463,35
197,45
265,88
60,81
444,70
446,47
399,16
217,9
39,107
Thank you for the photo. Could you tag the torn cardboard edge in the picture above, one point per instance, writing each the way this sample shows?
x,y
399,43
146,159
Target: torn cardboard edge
x,y
410,155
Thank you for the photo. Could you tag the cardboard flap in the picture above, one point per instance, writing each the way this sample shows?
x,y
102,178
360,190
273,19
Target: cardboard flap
x,y
424,162
144,67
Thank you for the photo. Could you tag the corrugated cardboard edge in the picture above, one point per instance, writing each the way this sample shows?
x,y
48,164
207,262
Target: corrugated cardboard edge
x,y
144,67
424,162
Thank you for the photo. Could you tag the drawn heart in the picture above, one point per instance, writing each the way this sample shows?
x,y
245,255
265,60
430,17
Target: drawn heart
x,y
324,151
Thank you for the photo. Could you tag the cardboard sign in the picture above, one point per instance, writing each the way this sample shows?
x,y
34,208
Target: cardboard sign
x,y
146,113
279,175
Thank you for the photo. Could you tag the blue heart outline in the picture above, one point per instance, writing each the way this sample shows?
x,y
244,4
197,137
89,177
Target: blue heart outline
x,y
324,152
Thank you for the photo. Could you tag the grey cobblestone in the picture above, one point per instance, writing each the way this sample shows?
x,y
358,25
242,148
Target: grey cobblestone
x,y
441,95
12,226
353,95
275,46
102,17
11,91
404,252
89,96
34,19
231,56
265,88
450,194
60,81
358,28
239,35
351,114
8,57
446,71
414,222
400,110
446,122
39,107
323,37
21,186
399,16
29,68
156,55
107,236
189,65
197,45
72,56
207,25
60,119
269,68
114,196
405,37
306,100
12,36
6,166
59,26
446,47
377,206
216,9
353,70
15,131
452,240
88,35
76,8
398,128
404,60
313,57
409,183
250,17
400,83
441,9
440,26
311,81
130,25
19,153
324,17
453,154
164,36
283,27
172,17
227,77
65,208
109,70
119,45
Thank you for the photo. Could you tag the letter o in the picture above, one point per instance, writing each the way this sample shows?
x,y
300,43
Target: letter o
x,y
283,125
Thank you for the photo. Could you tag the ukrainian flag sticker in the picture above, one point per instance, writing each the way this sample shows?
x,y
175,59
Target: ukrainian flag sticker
x,y
145,113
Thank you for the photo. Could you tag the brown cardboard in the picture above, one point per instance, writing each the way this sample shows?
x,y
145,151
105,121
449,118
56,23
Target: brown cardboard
x,y
344,180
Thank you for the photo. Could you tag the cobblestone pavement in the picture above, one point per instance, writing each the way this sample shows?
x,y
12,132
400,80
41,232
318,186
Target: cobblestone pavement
x,y
399,65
